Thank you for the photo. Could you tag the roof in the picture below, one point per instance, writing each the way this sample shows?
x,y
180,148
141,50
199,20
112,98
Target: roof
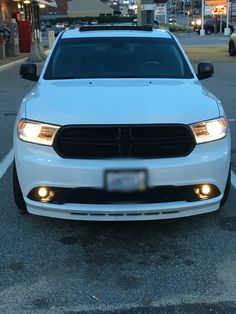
x,y
51,3
75,33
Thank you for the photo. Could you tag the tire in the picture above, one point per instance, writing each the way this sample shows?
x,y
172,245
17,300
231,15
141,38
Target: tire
x,y
227,189
19,200
232,50
208,32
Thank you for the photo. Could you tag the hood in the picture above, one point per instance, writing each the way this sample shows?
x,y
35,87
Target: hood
x,y
120,101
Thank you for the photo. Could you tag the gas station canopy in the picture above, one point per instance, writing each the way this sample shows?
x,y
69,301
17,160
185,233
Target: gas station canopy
x,y
51,3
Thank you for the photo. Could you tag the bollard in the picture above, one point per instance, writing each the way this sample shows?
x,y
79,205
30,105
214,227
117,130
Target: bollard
x,y
41,49
51,38
227,31
202,32
35,55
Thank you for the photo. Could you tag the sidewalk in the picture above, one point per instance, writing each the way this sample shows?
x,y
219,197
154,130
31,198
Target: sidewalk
x,y
12,61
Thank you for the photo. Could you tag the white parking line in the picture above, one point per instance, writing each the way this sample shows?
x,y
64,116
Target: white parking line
x,y
6,162
12,64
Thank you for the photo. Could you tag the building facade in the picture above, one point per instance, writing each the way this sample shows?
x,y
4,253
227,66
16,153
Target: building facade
x,y
60,10
8,10
77,8
82,8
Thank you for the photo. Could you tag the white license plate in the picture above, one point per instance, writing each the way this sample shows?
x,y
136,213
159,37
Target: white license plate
x,y
126,181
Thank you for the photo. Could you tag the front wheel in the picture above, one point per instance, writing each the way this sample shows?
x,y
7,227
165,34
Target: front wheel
x,y
19,200
208,31
227,189
232,50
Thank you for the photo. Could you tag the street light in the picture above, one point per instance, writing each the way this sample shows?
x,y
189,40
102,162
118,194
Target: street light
x,y
202,30
227,29
37,53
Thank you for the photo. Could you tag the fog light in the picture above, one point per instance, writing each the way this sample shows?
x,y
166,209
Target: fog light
x,y
43,192
205,189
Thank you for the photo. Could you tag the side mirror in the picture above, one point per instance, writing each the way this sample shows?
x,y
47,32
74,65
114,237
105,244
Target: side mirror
x,y
28,71
205,70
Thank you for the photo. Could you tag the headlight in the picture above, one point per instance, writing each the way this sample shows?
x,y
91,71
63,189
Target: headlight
x,y
198,22
211,130
193,23
36,132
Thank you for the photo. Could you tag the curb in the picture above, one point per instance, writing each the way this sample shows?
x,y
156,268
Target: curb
x,y
12,64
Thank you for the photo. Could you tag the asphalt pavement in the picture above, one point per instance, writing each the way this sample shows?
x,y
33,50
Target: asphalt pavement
x,y
185,266
194,40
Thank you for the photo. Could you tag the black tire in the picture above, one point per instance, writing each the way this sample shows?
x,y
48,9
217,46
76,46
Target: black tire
x,y
232,50
227,189
19,200
208,31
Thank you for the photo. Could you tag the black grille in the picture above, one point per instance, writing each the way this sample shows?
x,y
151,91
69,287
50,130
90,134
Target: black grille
x,y
155,141
152,195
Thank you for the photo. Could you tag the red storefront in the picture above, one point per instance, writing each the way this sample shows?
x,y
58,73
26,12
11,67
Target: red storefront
x,y
26,13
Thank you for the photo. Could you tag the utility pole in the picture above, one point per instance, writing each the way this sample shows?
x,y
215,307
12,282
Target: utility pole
x,y
227,29
145,12
202,30
37,53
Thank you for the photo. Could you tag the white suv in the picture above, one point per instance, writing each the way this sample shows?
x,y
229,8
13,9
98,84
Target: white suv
x,y
119,127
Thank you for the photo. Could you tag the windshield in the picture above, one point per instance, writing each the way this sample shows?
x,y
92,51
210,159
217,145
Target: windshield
x,y
117,57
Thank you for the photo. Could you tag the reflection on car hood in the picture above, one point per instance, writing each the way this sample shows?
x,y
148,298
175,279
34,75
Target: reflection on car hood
x,y
120,101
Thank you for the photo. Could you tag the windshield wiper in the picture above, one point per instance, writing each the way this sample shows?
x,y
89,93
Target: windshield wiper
x,y
64,78
92,77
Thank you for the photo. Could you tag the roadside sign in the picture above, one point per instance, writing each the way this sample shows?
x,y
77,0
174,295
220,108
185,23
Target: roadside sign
x,y
216,2
208,10
233,9
148,7
160,10
218,10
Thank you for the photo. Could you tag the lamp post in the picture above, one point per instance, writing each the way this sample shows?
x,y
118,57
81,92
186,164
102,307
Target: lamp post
x,y
145,12
202,30
37,53
227,29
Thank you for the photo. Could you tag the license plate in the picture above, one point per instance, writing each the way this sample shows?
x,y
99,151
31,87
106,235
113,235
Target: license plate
x,y
126,181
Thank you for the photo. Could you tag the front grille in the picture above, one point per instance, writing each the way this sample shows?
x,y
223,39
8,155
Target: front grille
x,y
142,141
152,195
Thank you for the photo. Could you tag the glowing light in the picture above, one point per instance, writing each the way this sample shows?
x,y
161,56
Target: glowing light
x,y
214,128
32,130
43,192
198,22
205,189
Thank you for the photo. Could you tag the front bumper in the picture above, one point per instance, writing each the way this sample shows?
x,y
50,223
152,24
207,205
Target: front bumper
x,y
41,166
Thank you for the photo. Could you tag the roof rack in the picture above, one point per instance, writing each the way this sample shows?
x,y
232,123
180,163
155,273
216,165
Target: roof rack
x,y
146,28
